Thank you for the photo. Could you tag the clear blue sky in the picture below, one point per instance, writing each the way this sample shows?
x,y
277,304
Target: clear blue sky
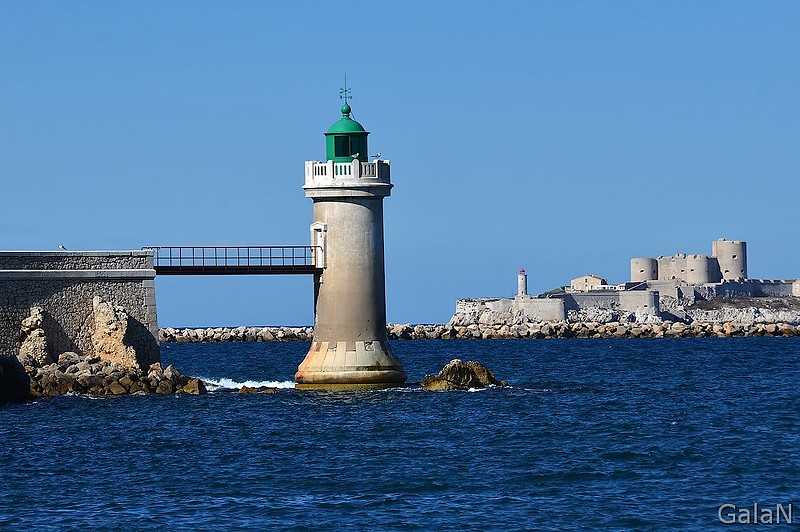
x,y
562,137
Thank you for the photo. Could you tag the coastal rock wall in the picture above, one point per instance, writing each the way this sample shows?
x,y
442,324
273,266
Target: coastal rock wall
x,y
62,287
565,329
539,330
235,334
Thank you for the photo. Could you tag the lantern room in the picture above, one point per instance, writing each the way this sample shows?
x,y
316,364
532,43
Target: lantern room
x,y
346,139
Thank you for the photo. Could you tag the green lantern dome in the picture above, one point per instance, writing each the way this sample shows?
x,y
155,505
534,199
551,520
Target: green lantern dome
x,y
346,139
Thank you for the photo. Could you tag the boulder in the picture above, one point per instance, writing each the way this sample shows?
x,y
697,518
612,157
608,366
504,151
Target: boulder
x,y
260,389
108,334
165,387
138,388
459,375
34,350
484,374
171,374
401,331
116,388
68,359
155,374
194,387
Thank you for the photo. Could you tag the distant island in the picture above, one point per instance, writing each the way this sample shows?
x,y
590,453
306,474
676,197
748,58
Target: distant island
x,y
681,295
694,294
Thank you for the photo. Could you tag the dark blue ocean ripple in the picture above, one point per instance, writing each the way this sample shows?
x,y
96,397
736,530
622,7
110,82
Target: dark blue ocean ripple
x,y
626,434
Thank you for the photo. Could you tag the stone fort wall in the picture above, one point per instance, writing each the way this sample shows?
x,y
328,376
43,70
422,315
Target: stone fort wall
x,y
64,284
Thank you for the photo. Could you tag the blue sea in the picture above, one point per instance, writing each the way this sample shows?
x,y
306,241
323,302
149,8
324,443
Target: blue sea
x,y
592,434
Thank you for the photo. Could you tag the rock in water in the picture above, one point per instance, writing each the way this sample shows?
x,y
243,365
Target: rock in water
x,y
15,384
108,334
260,389
194,387
484,374
34,351
458,375
165,387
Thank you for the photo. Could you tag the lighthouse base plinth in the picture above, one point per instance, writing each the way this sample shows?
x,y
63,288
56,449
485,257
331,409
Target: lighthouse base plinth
x,y
349,366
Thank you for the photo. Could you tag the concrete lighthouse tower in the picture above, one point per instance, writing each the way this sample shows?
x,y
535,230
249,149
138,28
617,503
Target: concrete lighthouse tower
x,y
350,349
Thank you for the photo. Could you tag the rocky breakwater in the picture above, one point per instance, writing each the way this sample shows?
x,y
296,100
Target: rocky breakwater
x,y
537,330
235,334
112,368
614,329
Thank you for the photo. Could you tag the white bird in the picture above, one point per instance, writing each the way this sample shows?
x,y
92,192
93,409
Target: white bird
x,y
355,155
61,246
377,155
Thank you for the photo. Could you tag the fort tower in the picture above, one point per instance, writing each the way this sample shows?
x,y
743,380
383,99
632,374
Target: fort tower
x,y
349,349
732,258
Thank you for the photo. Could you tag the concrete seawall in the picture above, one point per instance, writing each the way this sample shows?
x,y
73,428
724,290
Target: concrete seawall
x,y
63,285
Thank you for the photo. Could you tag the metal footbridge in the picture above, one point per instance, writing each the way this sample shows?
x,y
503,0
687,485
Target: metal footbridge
x,y
235,260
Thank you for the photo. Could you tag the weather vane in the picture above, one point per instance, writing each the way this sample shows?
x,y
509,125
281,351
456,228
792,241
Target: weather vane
x,y
344,92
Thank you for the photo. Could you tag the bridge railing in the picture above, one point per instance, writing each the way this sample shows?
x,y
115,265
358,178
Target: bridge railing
x,y
233,259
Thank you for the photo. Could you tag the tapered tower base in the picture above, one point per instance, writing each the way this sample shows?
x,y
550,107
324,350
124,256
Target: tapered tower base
x,y
349,366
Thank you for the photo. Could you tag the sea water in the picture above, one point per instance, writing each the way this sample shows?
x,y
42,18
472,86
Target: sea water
x,y
590,434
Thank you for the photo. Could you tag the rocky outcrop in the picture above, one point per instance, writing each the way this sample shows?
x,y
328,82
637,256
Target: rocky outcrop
x,y
113,368
34,348
74,373
14,382
109,328
459,375
260,389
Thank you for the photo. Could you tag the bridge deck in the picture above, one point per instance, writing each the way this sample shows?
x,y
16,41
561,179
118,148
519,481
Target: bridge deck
x,y
234,260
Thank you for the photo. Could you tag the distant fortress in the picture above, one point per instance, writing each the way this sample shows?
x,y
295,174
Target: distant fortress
x,y
728,262
659,289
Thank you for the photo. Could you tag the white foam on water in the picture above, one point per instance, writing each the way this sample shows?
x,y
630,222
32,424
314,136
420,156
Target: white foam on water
x,y
216,384
84,396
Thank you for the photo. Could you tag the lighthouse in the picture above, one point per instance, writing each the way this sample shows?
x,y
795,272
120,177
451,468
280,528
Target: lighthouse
x,y
349,349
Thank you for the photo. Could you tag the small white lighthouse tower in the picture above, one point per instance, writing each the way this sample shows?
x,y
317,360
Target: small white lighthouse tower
x,y
522,283
349,349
